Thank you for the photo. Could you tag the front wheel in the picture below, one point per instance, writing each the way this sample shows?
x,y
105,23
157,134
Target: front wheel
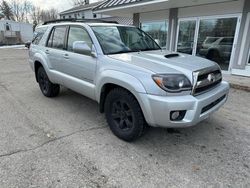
x,y
124,115
47,87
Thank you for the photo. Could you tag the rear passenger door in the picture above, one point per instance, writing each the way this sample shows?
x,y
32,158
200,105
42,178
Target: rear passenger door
x,y
77,65
55,47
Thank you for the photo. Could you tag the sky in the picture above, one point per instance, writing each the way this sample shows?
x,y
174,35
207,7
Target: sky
x,y
60,5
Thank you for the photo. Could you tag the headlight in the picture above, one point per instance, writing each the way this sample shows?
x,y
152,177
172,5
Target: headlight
x,y
172,82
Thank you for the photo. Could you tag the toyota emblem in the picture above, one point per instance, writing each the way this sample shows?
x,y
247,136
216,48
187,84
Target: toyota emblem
x,y
211,77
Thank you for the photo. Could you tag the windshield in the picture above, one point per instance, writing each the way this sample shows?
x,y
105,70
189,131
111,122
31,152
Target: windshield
x,y
121,39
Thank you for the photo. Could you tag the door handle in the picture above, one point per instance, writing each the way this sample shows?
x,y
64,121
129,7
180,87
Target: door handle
x,y
47,52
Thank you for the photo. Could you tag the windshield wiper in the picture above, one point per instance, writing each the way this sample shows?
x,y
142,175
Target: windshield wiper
x,y
119,52
150,49
123,51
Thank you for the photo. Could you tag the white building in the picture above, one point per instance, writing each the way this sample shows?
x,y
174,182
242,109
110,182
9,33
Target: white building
x,y
12,32
86,12
81,12
214,29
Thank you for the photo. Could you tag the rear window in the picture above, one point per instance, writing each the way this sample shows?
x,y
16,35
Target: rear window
x,y
38,35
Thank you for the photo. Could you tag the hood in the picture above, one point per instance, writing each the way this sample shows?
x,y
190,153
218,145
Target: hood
x,y
165,62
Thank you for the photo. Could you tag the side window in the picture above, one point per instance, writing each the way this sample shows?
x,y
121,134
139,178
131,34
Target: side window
x,y
57,37
7,27
78,34
38,35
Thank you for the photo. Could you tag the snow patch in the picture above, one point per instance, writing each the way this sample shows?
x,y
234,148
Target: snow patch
x,y
19,47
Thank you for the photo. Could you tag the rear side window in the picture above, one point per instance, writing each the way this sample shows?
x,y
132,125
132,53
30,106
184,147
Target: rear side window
x,y
38,35
57,38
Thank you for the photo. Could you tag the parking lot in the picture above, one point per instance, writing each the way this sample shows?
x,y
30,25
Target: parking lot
x,y
65,141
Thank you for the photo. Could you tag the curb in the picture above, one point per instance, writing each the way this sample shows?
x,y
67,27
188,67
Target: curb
x,y
240,87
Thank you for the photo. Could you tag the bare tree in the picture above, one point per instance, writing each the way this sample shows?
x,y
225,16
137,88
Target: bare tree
x,y
80,2
21,9
39,16
27,5
5,8
36,16
18,11
48,15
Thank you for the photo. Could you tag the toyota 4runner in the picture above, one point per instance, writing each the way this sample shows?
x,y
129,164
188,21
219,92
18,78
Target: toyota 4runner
x,y
135,82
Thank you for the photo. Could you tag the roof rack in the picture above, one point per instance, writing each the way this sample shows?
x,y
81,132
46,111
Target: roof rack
x,y
79,20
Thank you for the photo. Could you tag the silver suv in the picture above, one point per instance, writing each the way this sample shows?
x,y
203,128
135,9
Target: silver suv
x,y
135,82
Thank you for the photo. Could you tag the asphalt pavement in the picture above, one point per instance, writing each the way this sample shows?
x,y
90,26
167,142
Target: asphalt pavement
x,y
65,141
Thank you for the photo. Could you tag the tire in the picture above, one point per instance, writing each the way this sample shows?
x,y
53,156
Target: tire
x,y
47,87
124,115
214,55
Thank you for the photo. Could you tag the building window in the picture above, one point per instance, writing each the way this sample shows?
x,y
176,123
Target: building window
x,y
94,16
69,16
157,30
7,27
186,36
213,39
63,17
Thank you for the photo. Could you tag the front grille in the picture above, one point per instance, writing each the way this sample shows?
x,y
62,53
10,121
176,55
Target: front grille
x,y
213,104
206,80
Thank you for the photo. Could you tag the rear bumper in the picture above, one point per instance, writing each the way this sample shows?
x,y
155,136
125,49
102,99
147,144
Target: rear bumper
x,y
157,109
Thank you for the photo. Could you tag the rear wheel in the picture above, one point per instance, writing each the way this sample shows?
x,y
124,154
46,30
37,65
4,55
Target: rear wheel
x,y
124,115
47,87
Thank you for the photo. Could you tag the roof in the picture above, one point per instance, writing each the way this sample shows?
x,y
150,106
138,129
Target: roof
x,y
81,7
116,3
81,23
107,21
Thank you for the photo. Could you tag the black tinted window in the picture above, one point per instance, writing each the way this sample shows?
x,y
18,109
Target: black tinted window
x,y
38,35
78,34
57,38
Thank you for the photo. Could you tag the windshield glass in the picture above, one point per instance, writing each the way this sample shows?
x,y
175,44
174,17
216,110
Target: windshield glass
x,y
121,39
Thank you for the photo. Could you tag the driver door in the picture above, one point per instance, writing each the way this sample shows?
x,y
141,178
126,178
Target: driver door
x,y
79,66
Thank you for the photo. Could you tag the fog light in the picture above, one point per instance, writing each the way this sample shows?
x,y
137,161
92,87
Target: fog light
x,y
177,115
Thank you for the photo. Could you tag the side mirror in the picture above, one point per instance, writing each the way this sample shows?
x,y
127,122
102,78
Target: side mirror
x,y
81,47
27,44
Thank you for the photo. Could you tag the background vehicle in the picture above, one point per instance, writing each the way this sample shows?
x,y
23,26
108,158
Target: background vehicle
x,y
134,81
186,47
217,49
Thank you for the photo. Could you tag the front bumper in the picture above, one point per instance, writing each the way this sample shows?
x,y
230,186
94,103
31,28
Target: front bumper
x,y
157,109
